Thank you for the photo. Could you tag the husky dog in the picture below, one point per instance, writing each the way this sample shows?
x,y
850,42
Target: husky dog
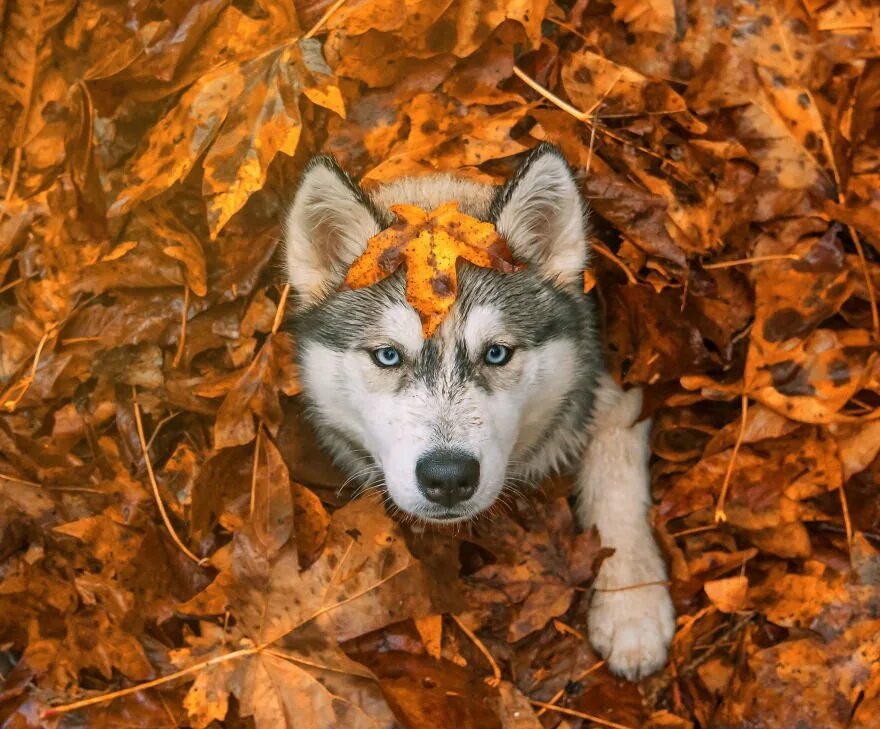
x,y
509,389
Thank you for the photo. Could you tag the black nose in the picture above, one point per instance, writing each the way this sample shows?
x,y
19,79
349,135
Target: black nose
x,y
448,477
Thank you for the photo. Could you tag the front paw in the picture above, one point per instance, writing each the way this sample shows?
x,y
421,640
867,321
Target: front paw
x,y
632,629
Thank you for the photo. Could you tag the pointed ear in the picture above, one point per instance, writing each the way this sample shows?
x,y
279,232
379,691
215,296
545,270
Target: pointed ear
x,y
326,229
543,217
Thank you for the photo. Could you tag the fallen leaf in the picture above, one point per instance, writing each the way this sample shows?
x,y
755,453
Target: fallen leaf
x,y
430,245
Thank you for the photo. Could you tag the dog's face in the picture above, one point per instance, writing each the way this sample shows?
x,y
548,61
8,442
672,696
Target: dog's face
x,y
442,424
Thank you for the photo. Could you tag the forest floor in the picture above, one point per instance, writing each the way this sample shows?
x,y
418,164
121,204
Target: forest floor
x,y
161,499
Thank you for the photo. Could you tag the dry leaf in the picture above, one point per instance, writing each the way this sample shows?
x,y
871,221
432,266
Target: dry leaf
x,y
430,245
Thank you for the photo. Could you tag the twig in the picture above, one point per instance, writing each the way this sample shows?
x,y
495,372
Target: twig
x,y
720,516
559,694
13,479
580,115
324,18
11,285
201,562
195,668
79,340
279,312
570,28
592,141
749,261
550,96
611,256
872,295
579,714
694,530
13,178
181,342
256,467
496,671
25,383
847,524
159,427
636,586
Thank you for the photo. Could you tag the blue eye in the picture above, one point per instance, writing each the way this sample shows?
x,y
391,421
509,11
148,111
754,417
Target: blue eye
x,y
386,357
498,355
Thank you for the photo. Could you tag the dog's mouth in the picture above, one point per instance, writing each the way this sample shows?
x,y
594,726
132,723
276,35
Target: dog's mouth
x,y
447,516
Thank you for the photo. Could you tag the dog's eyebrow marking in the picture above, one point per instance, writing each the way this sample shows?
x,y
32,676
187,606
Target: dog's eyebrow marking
x,y
482,325
401,324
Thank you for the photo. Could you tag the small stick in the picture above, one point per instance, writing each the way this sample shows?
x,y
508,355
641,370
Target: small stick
x,y
181,342
611,256
720,516
13,479
559,694
636,586
155,486
869,285
79,340
550,96
579,714
13,180
279,312
11,285
592,141
256,467
496,671
26,381
159,427
195,668
847,524
749,261
580,115
324,18
570,28
694,530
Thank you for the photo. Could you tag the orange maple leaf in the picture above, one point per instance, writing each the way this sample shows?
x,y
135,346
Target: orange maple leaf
x,y
430,244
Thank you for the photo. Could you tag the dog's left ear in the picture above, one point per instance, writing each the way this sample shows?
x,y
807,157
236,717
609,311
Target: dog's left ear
x,y
326,229
543,217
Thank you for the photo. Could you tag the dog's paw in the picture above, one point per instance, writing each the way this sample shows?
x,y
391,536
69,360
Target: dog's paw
x,y
632,629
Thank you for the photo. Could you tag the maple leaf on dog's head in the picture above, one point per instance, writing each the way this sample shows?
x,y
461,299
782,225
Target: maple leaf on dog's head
x,y
430,244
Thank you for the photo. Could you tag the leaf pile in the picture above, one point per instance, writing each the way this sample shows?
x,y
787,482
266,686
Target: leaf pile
x,y
730,150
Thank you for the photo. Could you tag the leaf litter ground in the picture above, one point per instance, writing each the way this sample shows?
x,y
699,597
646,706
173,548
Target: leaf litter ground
x,y
731,155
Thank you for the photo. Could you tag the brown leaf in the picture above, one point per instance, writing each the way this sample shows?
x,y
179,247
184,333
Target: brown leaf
x,y
256,394
728,595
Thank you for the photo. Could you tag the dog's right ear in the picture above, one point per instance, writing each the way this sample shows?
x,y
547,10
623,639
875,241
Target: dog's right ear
x,y
327,228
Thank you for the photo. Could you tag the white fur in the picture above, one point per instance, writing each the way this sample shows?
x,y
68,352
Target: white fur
x,y
630,627
397,427
431,191
544,220
326,229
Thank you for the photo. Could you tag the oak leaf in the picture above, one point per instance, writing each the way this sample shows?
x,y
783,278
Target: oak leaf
x,y
430,245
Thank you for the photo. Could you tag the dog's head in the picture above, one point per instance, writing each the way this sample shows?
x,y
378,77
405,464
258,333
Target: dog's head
x,y
444,424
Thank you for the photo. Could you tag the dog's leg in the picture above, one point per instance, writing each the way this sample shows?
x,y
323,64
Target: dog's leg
x,y
631,628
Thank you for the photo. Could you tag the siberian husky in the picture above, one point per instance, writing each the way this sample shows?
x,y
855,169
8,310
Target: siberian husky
x,y
510,388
